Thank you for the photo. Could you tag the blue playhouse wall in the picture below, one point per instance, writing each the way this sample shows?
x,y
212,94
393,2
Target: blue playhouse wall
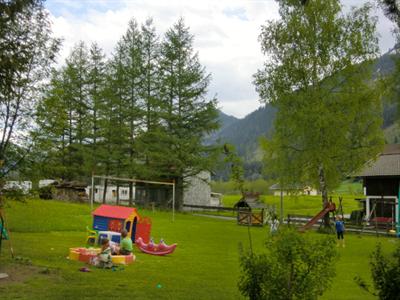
x,y
100,223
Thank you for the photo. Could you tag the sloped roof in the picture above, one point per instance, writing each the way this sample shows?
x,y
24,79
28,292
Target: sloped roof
x,y
113,211
387,163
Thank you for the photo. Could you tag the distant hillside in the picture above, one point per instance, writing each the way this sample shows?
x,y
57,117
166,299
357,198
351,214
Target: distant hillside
x,y
244,133
226,120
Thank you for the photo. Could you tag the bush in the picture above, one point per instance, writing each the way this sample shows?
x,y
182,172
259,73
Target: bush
x,y
46,192
14,194
386,273
294,266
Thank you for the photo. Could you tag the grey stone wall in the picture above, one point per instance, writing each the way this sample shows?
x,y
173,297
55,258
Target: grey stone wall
x,y
198,190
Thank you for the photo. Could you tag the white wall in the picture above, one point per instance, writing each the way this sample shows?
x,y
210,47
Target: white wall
x,y
25,186
45,182
111,194
198,191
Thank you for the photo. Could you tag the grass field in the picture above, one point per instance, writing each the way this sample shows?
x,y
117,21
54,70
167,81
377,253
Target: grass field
x,y
347,187
204,266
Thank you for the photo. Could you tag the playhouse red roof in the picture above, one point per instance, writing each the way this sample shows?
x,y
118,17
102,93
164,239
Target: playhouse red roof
x,y
113,211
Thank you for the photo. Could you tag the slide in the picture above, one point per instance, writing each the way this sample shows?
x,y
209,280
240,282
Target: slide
x,y
330,207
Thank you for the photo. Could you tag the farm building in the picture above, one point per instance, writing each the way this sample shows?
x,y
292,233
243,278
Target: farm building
x,y
381,182
70,191
24,186
307,190
111,193
196,192
45,182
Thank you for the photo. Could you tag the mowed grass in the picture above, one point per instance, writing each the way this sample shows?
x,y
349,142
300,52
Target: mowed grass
x,y
204,266
299,204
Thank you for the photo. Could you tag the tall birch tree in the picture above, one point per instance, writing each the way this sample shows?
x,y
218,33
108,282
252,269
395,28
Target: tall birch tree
x,y
318,76
27,50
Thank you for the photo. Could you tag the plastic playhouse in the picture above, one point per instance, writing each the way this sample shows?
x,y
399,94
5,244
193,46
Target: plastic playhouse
x,y
109,221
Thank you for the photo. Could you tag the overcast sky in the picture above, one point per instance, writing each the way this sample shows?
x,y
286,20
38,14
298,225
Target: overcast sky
x,y
226,34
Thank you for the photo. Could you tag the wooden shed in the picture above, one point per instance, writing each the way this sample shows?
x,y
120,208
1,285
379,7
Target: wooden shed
x,y
70,191
250,211
381,182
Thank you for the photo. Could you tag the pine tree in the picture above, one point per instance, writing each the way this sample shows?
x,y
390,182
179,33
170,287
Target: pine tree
x,y
62,118
51,134
131,45
150,95
96,83
187,115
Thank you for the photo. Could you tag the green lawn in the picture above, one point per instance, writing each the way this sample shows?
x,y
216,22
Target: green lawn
x,y
204,266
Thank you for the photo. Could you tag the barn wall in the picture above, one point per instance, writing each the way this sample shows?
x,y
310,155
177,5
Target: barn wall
x,y
382,186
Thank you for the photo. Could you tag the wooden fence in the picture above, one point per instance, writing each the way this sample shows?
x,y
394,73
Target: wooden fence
x,y
364,227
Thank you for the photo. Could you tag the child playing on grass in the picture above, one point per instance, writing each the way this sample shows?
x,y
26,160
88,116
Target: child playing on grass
x,y
104,260
339,225
126,244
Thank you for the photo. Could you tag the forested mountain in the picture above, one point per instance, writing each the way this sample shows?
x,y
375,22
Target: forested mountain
x,y
244,133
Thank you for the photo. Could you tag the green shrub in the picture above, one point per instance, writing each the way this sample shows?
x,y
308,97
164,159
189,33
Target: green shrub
x,y
14,194
46,192
294,266
386,273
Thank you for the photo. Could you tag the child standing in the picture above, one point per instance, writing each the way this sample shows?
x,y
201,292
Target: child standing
x,y
274,224
126,246
339,225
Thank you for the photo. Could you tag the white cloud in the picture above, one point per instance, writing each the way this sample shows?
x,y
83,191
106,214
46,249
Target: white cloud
x,y
226,36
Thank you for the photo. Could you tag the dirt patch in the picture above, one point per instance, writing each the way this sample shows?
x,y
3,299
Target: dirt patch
x,y
20,273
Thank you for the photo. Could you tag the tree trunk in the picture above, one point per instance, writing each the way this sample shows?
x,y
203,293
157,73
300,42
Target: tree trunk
x,y
324,193
105,190
117,193
178,193
130,193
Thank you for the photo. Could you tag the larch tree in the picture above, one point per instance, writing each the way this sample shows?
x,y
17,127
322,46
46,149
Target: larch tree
x,y
65,115
150,95
76,95
52,130
318,76
95,81
187,115
132,75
